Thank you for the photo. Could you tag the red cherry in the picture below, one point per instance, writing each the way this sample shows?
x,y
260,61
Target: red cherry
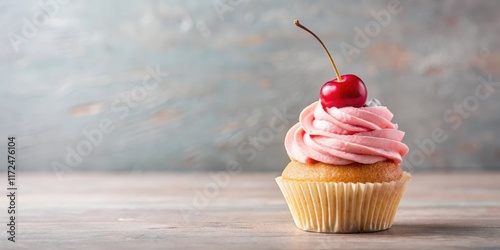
x,y
351,91
344,91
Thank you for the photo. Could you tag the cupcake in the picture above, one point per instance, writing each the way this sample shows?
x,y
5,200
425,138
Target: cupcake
x,y
345,174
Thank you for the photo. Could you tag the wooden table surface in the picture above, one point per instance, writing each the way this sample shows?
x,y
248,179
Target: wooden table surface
x,y
192,211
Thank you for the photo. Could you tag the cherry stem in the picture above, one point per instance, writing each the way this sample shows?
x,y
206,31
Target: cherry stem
x,y
297,23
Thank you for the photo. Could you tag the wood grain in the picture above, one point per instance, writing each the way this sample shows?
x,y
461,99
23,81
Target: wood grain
x,y
141,211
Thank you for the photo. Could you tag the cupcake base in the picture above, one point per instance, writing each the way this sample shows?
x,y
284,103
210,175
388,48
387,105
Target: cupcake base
x,y
337,207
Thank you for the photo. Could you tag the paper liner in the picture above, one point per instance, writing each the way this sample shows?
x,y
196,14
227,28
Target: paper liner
x,y
337,207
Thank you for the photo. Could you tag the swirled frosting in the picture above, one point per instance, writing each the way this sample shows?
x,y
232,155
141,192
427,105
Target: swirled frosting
x,y
342,136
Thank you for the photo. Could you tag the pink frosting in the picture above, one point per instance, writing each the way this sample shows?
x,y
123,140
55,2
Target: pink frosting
x,y
342,136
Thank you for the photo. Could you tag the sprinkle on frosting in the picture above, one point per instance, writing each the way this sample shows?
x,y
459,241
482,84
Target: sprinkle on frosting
x,y
373,103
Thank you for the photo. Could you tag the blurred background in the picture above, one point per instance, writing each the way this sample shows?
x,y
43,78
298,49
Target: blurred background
x,y
202,85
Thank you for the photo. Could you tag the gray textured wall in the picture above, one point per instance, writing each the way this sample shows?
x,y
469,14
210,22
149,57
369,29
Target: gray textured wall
x,y
231,69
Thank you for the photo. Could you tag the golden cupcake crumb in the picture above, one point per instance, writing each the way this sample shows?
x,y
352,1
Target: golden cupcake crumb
x,y
383,171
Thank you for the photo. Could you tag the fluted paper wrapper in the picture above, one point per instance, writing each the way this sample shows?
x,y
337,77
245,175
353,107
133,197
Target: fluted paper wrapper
x,y
337,207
